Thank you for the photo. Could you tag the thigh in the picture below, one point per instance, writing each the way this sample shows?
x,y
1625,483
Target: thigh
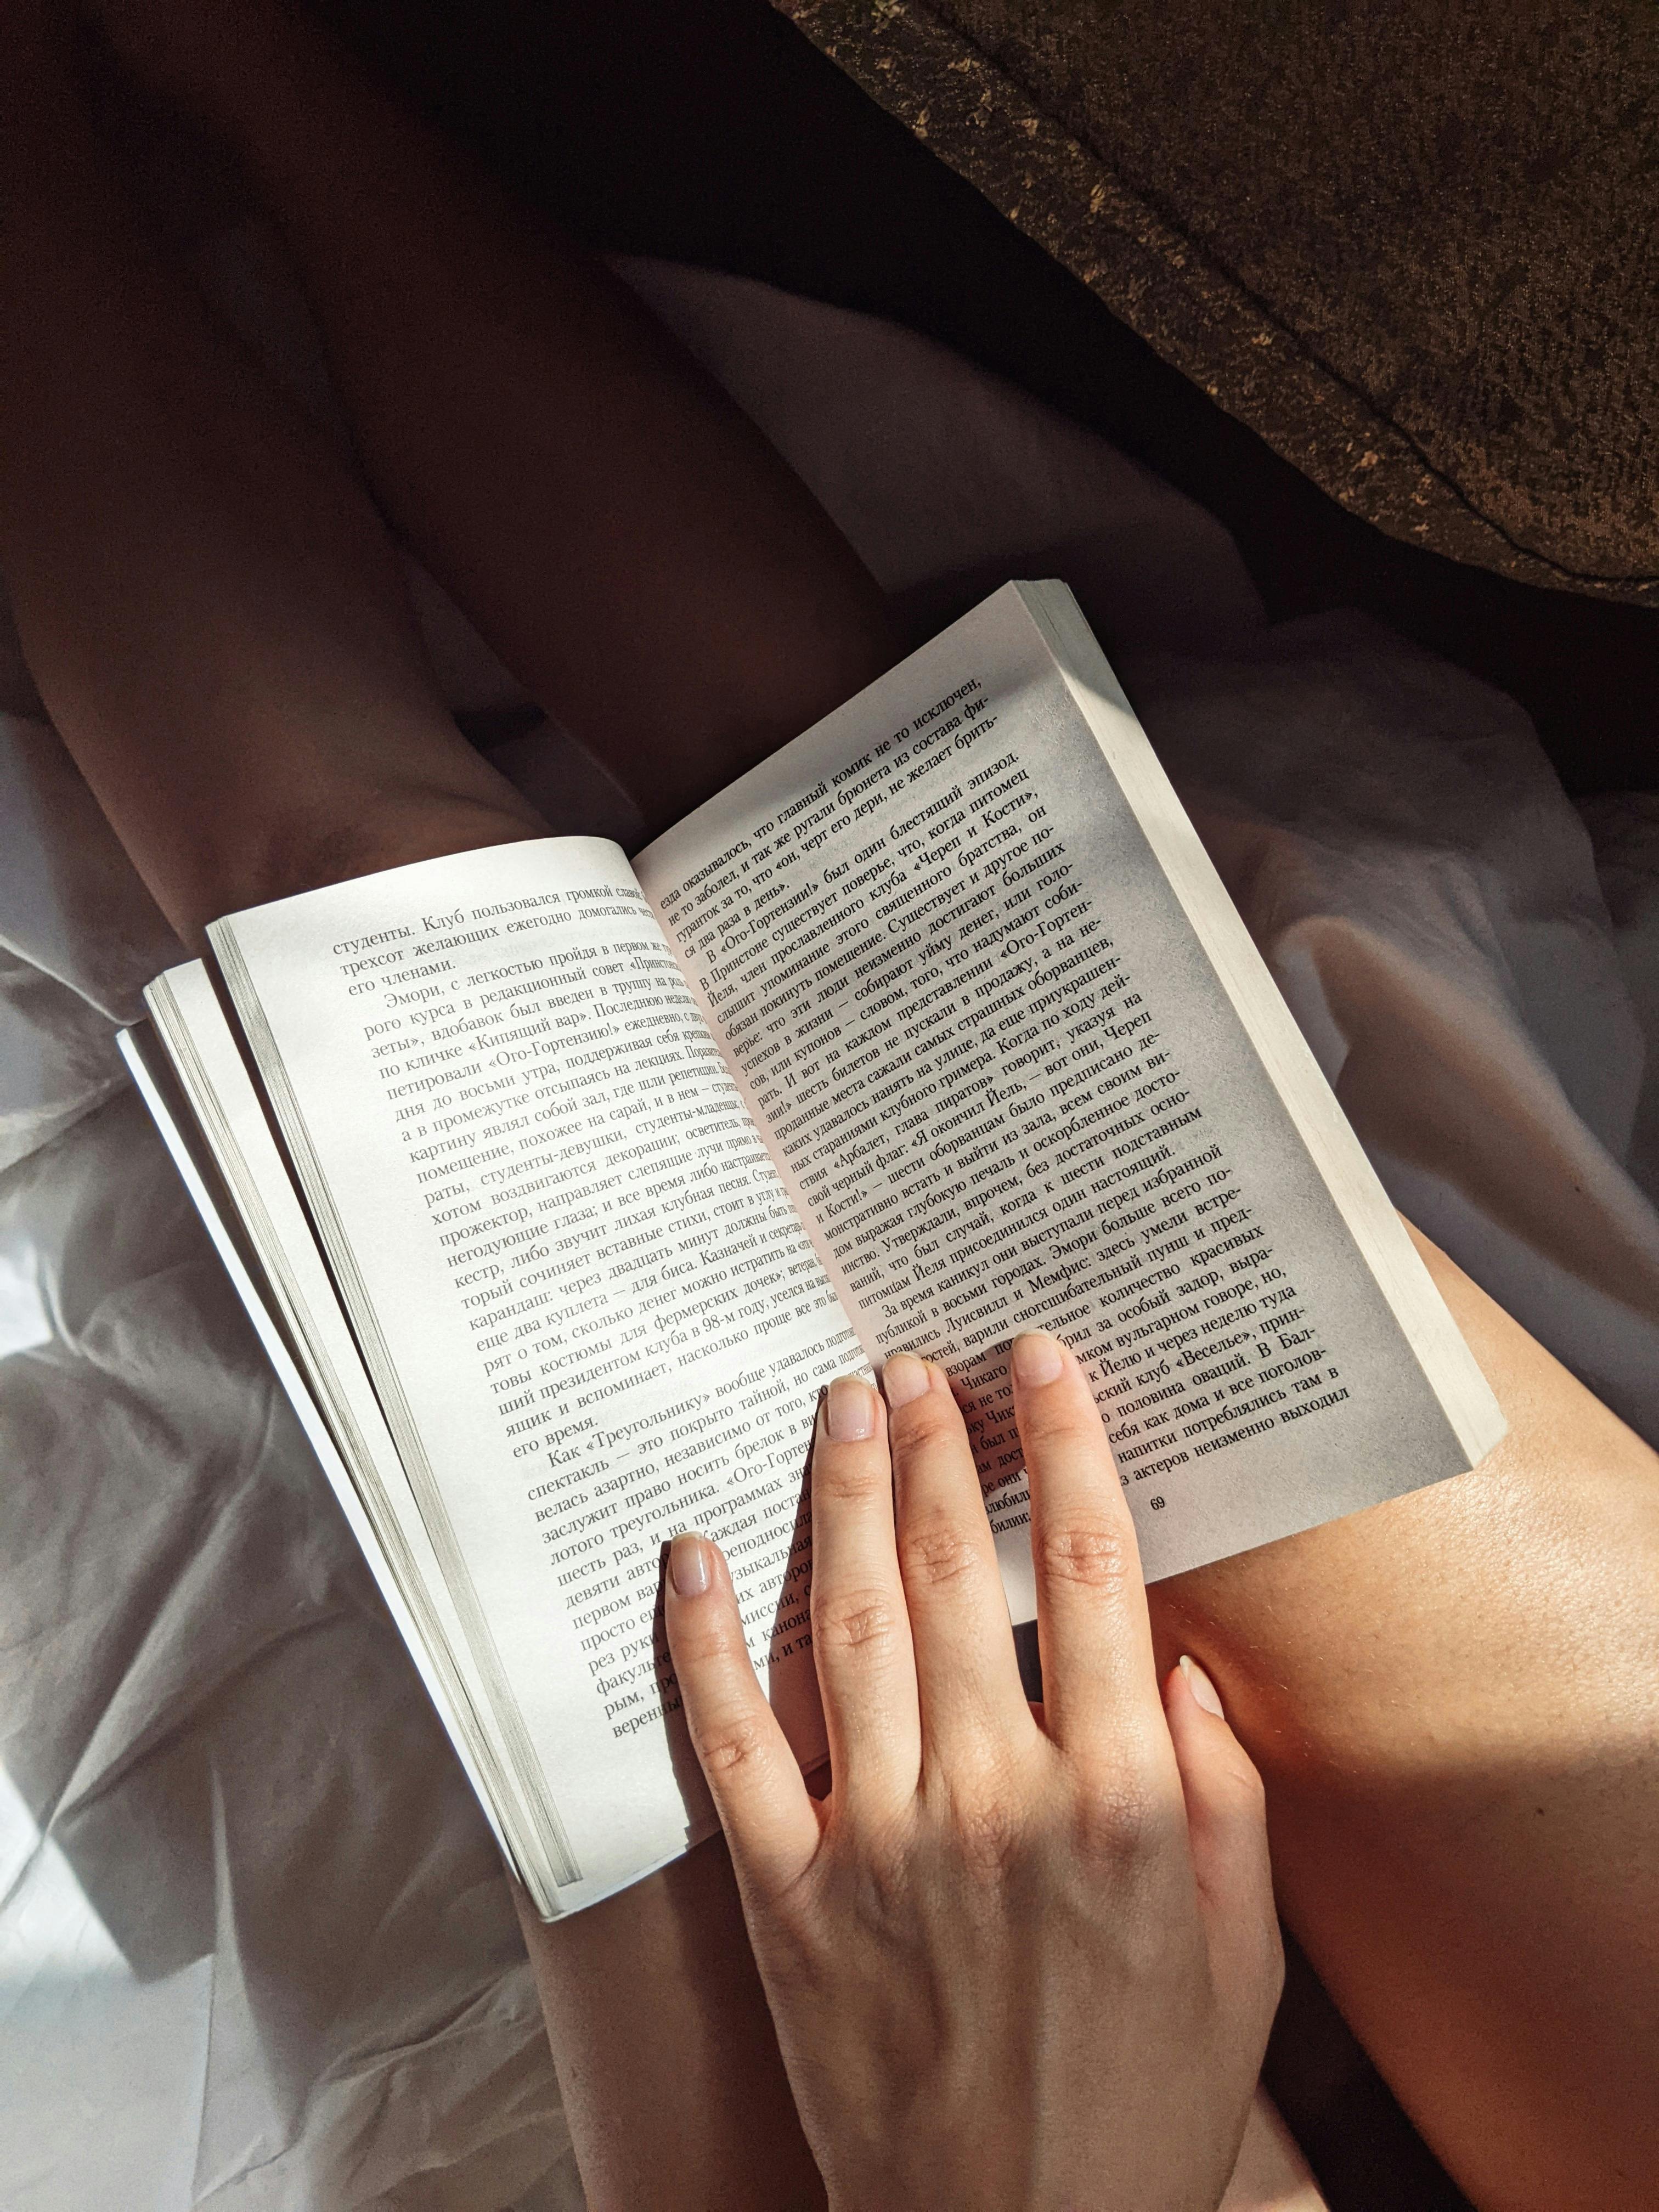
x,y
622,534
211,607
1454,1700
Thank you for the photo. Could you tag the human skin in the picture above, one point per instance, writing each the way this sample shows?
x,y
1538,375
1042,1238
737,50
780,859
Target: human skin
x,y
1450,1699
1454,1702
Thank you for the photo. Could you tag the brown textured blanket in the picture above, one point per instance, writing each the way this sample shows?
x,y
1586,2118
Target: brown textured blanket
x,y
1413,244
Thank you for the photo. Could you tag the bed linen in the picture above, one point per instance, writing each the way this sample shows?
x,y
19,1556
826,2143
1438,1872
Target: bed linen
x,y
255,1949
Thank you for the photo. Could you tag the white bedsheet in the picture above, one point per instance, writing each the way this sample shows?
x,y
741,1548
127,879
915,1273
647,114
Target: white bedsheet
x,y
254,1949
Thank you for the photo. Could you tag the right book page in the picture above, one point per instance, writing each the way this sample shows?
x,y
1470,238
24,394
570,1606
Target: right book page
x,y
1023,1066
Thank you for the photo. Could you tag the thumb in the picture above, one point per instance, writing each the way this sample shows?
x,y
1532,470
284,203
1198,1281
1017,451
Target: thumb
x,y
1227,1832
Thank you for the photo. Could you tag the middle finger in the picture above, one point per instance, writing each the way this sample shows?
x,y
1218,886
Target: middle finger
x,y
861,1629
966,1675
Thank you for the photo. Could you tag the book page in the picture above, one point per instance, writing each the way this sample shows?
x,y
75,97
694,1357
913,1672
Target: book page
x,y
589,1308
230,1122
1010,1090
219,1207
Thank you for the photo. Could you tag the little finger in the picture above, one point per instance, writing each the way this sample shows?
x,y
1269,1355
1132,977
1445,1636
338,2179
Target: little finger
x,y
752,1775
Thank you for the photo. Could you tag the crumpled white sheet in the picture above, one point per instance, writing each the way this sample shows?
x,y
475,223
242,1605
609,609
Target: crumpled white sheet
x,y
255,1952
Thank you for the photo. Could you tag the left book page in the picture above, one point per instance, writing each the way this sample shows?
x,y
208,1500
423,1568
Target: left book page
x,y
587,1306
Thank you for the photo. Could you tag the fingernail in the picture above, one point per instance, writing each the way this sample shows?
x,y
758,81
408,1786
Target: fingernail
x,y
1037,1358
904,1377
691,1564
849,1410
1203,1689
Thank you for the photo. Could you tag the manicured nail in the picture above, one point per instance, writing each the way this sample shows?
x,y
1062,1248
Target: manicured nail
x,y
1038,1359
691,1564
1203,1689
905,1377
849,1410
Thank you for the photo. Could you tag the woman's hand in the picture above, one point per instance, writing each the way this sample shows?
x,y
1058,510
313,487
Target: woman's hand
x,y
1016,1959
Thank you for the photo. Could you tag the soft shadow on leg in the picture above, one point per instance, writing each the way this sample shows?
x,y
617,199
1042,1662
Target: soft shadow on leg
x,y
207,601
623,537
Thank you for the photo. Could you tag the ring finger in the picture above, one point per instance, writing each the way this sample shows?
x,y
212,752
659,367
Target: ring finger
x,y
860,1628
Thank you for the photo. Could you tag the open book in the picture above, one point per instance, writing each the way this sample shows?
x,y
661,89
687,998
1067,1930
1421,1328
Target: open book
x,y
557,1186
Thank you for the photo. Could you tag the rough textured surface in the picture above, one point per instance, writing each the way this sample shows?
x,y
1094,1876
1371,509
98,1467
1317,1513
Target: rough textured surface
x,y
1413,246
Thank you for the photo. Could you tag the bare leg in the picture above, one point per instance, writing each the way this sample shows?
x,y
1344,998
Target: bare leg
x,y
657,2022
1454,1702
208,602
629,545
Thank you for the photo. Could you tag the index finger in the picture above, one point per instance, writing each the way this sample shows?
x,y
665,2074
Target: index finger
x,y
1092,1626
